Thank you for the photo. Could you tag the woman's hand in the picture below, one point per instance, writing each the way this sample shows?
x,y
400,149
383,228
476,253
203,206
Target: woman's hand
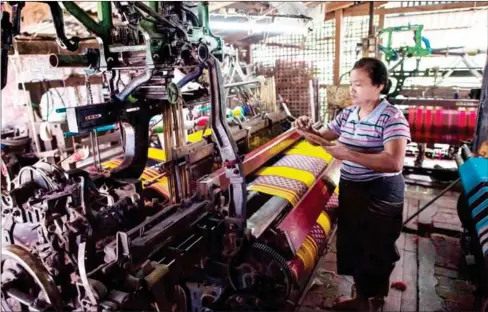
x,y
303,122
313,138
338,151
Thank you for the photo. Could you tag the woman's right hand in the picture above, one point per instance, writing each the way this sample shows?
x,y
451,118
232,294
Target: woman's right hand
x,y
303,122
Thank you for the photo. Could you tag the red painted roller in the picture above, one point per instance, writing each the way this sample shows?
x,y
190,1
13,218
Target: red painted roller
x,y
444,126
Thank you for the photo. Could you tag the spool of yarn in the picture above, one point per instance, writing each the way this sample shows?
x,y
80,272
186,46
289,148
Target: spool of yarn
x,y
238,112
189,124
201,121
228,112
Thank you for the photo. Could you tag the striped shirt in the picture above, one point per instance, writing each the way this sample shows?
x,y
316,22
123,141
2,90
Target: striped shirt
x,y
383,124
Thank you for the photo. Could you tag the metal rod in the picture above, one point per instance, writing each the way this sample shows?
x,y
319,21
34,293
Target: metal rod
x,y
97,146
450,186
242,83
466,152
65,60
471,69
93,149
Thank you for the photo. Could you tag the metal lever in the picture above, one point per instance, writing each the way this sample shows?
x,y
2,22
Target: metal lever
x,y
226,145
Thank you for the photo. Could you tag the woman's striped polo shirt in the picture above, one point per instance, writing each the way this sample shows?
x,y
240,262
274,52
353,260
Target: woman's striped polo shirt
x,y
385,123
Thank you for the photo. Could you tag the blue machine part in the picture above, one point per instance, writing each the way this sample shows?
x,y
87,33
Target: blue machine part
x,y
474,178
473,172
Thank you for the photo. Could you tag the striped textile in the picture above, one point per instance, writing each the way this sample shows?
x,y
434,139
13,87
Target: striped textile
x,y
155,156
385,123
443,126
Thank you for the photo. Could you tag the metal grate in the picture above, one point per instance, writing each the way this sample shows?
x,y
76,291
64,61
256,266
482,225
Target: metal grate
x,y
295,60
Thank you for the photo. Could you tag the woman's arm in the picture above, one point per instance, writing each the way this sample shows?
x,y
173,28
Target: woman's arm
x,y
327,134
390,160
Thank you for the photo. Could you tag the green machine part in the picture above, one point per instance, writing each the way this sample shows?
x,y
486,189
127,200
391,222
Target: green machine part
x,y
418,50
214,43
102,29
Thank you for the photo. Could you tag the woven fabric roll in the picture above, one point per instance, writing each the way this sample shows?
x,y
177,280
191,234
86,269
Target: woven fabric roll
x,y
312,248
292,175
443,126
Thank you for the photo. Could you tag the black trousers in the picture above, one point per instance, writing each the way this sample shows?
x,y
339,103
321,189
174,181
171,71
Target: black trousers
x,y
369,223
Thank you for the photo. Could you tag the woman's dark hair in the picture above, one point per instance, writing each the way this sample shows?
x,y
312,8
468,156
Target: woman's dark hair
x,y
375,68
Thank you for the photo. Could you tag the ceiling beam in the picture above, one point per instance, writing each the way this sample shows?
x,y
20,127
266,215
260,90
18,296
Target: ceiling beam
x,y
362,9
333,6
215,6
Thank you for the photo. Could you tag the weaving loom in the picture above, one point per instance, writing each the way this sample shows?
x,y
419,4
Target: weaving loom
x,y
294,173
296,186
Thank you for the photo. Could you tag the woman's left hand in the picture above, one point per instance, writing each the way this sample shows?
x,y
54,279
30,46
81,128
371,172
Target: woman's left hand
x,y
338,151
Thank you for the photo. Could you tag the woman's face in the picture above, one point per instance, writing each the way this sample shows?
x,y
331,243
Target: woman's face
x,y
362,89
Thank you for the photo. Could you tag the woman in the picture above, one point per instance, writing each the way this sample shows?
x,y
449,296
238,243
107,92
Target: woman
x,y
372,136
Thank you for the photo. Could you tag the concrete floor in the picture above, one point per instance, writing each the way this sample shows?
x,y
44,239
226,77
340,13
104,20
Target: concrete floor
x,y
431,264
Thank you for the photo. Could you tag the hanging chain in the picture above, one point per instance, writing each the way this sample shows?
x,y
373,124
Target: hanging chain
x,y
89,95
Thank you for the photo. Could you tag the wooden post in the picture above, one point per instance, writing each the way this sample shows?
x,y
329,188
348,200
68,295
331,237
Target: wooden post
x,y
338,45
381,25
381,21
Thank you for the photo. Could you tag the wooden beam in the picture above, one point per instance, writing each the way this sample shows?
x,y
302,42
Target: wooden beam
x,y
215,6
42,47
381,21
363,8
333,6
338,45
356,11
73,80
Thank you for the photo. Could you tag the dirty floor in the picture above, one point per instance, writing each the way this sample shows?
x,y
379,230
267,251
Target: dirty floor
x,y
431,264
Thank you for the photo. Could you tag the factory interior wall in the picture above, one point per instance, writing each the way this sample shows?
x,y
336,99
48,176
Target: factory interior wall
x,y
317,49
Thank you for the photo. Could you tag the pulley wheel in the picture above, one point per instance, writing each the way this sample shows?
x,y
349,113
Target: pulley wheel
x,y
43,174
262,271
25,281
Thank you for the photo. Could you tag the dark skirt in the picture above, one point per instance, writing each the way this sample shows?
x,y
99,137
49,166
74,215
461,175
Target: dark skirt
x,y
369,223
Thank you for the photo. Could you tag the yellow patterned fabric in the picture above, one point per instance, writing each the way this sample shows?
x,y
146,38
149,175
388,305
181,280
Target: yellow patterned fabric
x,y
290,173
276,191
324,222
306,149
